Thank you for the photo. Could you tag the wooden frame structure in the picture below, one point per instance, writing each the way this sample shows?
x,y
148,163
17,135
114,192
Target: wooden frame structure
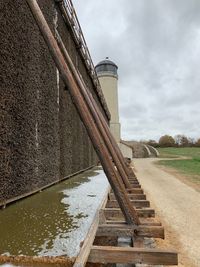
x,y
127,204
111,223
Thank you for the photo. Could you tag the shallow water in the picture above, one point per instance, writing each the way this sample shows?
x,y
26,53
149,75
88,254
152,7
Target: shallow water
x,y
55,221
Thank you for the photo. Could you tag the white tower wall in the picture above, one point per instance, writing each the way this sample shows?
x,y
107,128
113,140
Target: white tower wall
x,y
109,85
108,78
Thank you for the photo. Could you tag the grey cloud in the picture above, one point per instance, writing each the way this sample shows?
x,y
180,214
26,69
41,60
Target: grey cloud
x,y
132,110
156,44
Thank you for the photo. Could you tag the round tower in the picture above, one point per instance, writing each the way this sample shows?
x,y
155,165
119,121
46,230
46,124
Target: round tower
x,y
107,73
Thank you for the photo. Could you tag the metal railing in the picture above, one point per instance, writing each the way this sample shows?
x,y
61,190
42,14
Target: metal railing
x,y
69,14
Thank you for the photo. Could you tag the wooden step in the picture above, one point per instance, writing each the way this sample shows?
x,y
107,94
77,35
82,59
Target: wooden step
x,y
124,230
142,222
136,203
131,196
123,255
134,181
135,185
135,190
150,221
117,213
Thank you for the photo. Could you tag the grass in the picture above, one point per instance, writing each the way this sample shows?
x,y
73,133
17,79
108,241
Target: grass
x,y
189,166
170,152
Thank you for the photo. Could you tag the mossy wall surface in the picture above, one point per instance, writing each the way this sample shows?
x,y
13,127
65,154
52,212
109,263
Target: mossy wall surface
x,y
42,137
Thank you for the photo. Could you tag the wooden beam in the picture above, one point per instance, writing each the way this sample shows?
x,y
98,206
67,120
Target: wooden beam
x,y
136,203
138,242
150,221
108,254
133,178
131,196
97,115
133,185
134,181
123,230
143,222
116,212
83,255
135,191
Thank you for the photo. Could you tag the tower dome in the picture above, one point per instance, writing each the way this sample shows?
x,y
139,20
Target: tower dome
x,y
106,67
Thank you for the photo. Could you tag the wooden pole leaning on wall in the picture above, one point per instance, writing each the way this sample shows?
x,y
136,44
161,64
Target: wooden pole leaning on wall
x,y
112,140
128,171
129,212
94,109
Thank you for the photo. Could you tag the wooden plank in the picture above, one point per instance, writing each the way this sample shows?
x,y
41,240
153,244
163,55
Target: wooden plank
x,y
116,212
131,196
134,185
124,230
102,217
83,255
138,242
137,196
106,254
135,191
145,222
134,181
150,221
136,203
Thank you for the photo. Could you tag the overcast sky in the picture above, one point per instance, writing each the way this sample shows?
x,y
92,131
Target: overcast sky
x,y
156,45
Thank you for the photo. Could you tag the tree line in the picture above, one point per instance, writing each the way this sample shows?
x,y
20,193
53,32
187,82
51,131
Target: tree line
x,y
179,140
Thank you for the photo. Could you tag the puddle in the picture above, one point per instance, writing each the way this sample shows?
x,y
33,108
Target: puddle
x,y
55,221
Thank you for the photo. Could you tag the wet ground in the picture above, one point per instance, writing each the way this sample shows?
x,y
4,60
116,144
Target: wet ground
x,y
55,221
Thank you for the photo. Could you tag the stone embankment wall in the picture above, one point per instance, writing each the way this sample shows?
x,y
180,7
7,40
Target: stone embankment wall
x,y
140,150
42,138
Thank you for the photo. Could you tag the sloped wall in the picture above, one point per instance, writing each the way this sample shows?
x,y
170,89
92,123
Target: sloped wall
x,y
42,138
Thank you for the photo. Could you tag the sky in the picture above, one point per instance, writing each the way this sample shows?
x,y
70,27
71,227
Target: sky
x,y
156,45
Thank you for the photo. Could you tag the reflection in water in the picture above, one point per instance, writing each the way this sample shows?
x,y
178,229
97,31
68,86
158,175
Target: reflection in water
x,y
55,221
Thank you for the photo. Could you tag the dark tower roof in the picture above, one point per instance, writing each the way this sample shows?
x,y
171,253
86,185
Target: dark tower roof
x,y
106,66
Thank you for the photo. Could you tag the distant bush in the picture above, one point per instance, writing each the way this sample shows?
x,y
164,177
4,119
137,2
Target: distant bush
x,y
166,141
197,144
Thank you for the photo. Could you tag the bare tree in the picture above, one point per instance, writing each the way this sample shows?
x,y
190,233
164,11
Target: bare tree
x,y
181,140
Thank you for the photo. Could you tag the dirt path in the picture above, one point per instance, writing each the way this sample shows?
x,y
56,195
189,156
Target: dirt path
x,y
177,205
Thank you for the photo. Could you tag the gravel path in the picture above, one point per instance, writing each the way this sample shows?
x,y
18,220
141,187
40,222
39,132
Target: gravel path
x,y
178,206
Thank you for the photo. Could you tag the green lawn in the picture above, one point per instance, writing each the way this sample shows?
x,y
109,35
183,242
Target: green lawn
x,y
190,167
169,152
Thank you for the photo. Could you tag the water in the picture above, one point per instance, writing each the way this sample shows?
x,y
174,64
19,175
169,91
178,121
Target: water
x,y
55,221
